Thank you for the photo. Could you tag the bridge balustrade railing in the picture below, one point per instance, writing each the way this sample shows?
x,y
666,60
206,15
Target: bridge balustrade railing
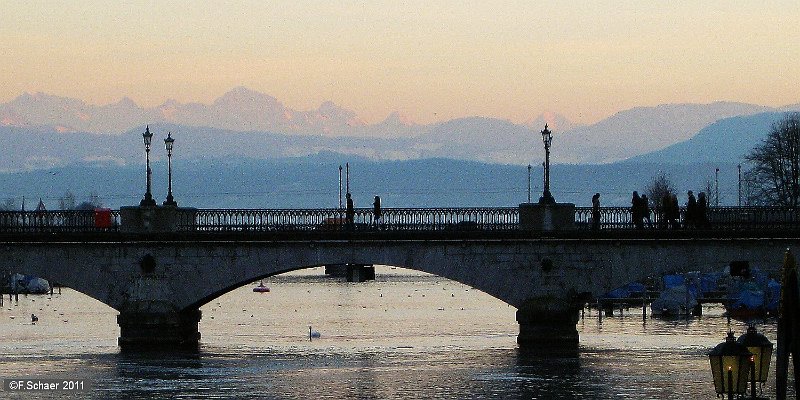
x,y
59,221
615,218
754,218
334,219
717,218
392,219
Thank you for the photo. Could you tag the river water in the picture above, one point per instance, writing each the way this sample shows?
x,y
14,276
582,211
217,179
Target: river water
x,y
405,335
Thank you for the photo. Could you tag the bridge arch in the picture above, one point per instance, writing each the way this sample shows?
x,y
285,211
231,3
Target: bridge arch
x,y
227,287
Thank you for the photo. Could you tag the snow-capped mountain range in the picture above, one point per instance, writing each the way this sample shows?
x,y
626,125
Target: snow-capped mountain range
x,y
254,116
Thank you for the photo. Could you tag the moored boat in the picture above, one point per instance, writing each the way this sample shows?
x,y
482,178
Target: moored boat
x,y
261,288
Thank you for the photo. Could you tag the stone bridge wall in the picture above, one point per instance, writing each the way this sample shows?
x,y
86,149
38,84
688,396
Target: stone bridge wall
x,y
189,274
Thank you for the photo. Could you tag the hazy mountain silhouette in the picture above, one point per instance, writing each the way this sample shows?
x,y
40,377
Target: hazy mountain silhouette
x,y
239,109
312,182
644,129
727,140
216,168
249,123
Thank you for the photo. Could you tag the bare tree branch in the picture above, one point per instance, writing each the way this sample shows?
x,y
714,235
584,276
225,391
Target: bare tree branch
x,y
774,176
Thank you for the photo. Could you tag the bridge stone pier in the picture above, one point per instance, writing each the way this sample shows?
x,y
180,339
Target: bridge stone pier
x,y
158,278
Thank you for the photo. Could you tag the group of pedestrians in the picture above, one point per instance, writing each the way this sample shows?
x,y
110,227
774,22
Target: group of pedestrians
x,y
669,214
350,212
667,210
696,211
695,216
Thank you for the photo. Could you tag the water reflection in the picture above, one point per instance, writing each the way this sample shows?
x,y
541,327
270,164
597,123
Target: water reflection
x,y
383,339
541,377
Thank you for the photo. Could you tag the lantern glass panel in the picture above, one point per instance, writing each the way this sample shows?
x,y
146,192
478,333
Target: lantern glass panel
x,y
718,373
762,357
740,366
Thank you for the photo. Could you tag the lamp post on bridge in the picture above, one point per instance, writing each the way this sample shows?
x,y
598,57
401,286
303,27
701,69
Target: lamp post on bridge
x,y
168,143
739,168
529,183
148,195
716,187
546,215
347,176
547,138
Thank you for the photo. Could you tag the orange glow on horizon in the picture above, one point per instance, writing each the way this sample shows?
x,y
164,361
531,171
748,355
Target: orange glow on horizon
x,y
430,61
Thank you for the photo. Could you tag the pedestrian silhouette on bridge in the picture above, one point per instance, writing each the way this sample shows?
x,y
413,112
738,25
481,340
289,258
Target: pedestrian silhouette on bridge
x,y
350,214
645,204
636,210
596,212
675,212
702,210
690,219
665,211
376,210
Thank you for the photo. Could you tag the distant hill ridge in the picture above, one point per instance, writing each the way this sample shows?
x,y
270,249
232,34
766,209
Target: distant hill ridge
x,y
253,124
723,141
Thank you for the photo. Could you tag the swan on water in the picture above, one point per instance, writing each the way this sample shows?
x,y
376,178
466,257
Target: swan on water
x,y
312,334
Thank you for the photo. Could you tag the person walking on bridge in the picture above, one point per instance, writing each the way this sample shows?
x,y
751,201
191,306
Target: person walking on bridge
x,y
702,211
596,212
350,213
376,211
636,210
645,203
674,212
690,219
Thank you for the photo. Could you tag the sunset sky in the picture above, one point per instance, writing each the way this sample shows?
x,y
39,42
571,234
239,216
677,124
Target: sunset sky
x,y
430,60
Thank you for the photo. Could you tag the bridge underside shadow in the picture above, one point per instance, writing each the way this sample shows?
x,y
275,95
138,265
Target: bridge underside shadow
x,y
159,285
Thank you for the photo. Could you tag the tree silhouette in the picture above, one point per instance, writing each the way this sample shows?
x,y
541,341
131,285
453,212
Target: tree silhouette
x,y
660,185
774,176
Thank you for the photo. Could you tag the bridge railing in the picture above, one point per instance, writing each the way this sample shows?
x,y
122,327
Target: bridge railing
x,y
758,217
718,218
101,220
393,219
332,219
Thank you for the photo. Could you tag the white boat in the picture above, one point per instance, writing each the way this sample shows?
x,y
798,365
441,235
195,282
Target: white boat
x,y
674,301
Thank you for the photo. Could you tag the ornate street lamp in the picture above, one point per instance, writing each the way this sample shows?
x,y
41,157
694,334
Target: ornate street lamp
x,y
168,143
148,196
730,365
761,348
547,138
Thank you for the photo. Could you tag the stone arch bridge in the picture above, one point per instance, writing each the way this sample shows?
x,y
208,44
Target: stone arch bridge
x,y
158,265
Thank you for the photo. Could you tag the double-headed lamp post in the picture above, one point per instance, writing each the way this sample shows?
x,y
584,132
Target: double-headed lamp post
x,y
730,365
168,143
148,195
547,138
